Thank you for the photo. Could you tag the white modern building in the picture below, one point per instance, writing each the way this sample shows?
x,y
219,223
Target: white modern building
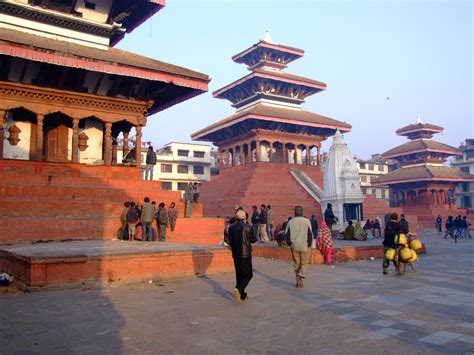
x,y
368,171
177,164
465,191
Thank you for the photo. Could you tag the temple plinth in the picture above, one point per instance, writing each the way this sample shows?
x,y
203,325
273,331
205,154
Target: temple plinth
x,y
269,127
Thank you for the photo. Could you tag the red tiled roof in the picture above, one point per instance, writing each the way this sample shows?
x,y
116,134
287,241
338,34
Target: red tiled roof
x,y
421,145
114,56
269,113
418,127
422,173
275,75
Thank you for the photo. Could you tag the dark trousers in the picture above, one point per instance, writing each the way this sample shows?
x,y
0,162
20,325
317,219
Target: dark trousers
x,y
243,274
147,232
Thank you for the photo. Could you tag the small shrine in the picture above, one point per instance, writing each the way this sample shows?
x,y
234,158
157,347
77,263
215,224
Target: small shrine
x,y
421,178
341,183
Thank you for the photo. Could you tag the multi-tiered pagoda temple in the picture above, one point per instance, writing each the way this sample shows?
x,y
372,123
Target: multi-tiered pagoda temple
x,y
421,178
268,127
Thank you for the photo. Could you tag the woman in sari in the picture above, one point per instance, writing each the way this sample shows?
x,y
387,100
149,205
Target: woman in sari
x,y
324,242
359,233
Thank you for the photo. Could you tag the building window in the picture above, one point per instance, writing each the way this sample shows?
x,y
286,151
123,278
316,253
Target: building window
x,y
166,185
374,192
464,168
183,153
166,168
465,187
182,186
183,169
198,169
363,178
380,167
470,154
198,154
362,165
371,167
364,191
384,196
89,5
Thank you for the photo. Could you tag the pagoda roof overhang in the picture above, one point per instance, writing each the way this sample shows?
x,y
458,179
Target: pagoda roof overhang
x,y
268,117
255,53
259,76
423,173
125,16
421,146
164,83
418,127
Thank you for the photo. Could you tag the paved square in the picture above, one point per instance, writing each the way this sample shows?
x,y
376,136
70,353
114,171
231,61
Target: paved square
x,y
349,309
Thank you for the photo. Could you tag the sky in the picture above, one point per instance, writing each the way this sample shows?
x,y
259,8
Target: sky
x,y
384,62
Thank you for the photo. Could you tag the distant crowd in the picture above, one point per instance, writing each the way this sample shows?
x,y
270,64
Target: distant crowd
x,y
137,218
454,227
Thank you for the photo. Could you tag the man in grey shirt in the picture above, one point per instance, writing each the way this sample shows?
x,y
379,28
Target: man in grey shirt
x,y
148,212
299,237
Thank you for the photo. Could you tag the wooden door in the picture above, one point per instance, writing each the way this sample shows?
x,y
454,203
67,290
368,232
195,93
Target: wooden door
x,y
56,143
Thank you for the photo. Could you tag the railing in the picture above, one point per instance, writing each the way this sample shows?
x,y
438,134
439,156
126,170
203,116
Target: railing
x,y
308,184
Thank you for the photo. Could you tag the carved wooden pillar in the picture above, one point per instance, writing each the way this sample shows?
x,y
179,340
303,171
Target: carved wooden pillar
x,y
138,146
39,137
108,144
75,140
219,159
3,124
257,150
114,151
318,157
234,155
295,155
284,153
125,148
227,161
308,155
270,152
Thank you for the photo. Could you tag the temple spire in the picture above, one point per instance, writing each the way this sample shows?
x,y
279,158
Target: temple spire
x,y
418,120
267,38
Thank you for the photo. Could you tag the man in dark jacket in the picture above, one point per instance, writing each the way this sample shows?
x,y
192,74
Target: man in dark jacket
x,y
150,162
329,217
404,224
314,226
263,220
239,238
392,228
255,221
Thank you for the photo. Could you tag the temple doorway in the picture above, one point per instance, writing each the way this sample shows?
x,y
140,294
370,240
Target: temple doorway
x,y
56,138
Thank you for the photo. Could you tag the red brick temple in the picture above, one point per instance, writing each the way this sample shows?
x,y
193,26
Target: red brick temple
x,y
269,150
422,185
65,95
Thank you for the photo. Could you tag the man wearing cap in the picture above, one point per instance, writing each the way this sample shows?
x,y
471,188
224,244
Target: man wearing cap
x,y
299,237
239,238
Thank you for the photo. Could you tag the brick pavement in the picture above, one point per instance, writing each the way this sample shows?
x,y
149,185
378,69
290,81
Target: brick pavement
x,y
350,308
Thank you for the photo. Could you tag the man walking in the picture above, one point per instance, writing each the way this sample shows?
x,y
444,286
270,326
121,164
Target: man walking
x,y
404,224
162,221
150,162
299,237
147,220
239,239
255,221
314,226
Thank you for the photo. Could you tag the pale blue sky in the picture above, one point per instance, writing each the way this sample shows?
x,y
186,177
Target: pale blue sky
x,y
418,53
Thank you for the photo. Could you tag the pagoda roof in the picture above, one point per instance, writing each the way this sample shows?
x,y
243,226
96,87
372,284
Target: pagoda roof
x,y
420,146
291,52
423,173
186,83
274,75
417,127
267,113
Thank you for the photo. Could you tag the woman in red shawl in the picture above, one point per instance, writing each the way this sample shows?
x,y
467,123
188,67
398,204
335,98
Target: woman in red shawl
x,y
324,242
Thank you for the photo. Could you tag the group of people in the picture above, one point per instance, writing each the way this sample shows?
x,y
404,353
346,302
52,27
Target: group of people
x,y
299,234
455,228
135,215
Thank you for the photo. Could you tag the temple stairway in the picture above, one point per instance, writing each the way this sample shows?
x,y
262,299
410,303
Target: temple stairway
x,y
42,201
260,183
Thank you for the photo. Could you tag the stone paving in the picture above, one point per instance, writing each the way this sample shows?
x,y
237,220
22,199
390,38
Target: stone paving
x,y
348,308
